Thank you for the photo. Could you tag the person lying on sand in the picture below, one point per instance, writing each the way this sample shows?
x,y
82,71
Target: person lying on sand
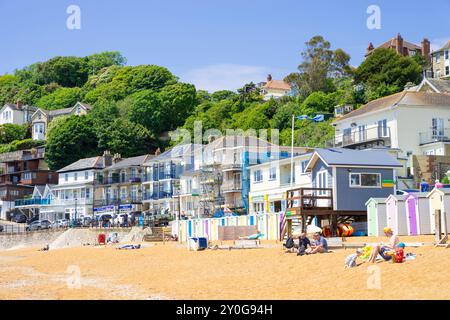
x,y
129,247
318,245
350,261
384,248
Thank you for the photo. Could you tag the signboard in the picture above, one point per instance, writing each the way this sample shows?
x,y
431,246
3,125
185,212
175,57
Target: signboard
x,y
387,183
125,207
103,209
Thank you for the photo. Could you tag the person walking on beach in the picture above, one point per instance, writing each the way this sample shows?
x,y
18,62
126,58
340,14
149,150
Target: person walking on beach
x,y
384,247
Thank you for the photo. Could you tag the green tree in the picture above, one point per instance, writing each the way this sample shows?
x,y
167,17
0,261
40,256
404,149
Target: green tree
x,y
60,98
10,132
73,139
127,138
319,63
96,62
178,102
385,72
66,71
145,108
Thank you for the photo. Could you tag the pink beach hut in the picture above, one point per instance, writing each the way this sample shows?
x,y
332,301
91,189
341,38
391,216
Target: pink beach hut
x,y
417,213
396,215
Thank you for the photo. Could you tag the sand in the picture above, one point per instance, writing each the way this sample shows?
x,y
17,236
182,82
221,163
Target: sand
x,y
170,271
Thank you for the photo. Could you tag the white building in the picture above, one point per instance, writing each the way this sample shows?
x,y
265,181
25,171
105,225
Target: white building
x,y
270,181
16,113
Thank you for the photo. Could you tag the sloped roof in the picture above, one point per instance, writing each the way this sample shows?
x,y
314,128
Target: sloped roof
x,y
443,86
177,152
15,107
401,98
446,46
350,157
84,164
277,84
130,162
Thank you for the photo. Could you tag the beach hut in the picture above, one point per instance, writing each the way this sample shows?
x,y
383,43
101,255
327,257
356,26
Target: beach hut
x,y
396,214
439,200
418,213
376,216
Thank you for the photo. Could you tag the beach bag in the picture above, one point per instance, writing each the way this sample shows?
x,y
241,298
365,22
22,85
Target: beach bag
x,y
289,243
399,255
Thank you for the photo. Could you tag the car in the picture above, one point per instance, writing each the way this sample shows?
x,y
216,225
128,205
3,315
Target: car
x,y
61,223
39,225
1,228
406,191
33,219
19,218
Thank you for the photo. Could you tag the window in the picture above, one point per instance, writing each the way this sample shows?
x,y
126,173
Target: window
x,y
303,165
134,192
365,180
447,70
362,133
75,176
446,54
382,128
438,56
321,182
257,176
272,173
83,193
66,177
437,126
86,175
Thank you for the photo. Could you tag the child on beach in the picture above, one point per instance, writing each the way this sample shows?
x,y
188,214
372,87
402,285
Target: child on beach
x,y
350,261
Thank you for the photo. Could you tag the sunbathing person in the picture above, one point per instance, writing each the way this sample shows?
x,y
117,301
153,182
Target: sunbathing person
x,y
255,236
318,245
384,248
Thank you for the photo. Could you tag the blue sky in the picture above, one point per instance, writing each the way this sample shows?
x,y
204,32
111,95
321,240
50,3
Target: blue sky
x,y
215,44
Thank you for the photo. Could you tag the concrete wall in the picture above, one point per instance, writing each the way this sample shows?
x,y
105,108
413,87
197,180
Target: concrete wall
x,y
29,239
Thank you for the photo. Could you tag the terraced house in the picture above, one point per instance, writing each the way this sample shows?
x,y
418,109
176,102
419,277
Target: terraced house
x,y
441,62
121,185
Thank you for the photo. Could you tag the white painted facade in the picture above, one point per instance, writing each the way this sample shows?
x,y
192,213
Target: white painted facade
x,y
270,181
13,116
410,128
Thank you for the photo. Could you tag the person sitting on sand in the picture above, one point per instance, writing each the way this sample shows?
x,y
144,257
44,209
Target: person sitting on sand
x,y
318,245
303,244
350,261
383,248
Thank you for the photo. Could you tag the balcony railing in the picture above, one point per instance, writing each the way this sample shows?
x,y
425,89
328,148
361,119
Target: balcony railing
x,y
159,195
434,136
231,186
31,202
372,135
121,179
117,201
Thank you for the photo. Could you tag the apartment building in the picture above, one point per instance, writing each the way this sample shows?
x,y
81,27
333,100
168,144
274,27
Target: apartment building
x,y
441,62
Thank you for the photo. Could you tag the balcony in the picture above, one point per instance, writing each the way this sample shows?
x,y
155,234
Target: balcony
x,y
118,201
121,179
232,167
362,139
231,187
158,195
434,136
31,202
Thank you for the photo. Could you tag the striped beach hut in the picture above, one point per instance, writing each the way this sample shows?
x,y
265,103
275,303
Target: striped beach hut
x,y
376,216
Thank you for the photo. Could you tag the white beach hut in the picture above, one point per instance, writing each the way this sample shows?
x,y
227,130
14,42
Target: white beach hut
x,y
439,200
396,214
376,216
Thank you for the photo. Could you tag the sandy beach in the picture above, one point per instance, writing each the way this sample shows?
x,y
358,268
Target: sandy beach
x,y
170,271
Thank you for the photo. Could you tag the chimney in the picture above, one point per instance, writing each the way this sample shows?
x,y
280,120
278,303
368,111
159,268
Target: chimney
x,y
399,44
426,48
158,152
269,77
117,157
19,104
107,159
370,47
